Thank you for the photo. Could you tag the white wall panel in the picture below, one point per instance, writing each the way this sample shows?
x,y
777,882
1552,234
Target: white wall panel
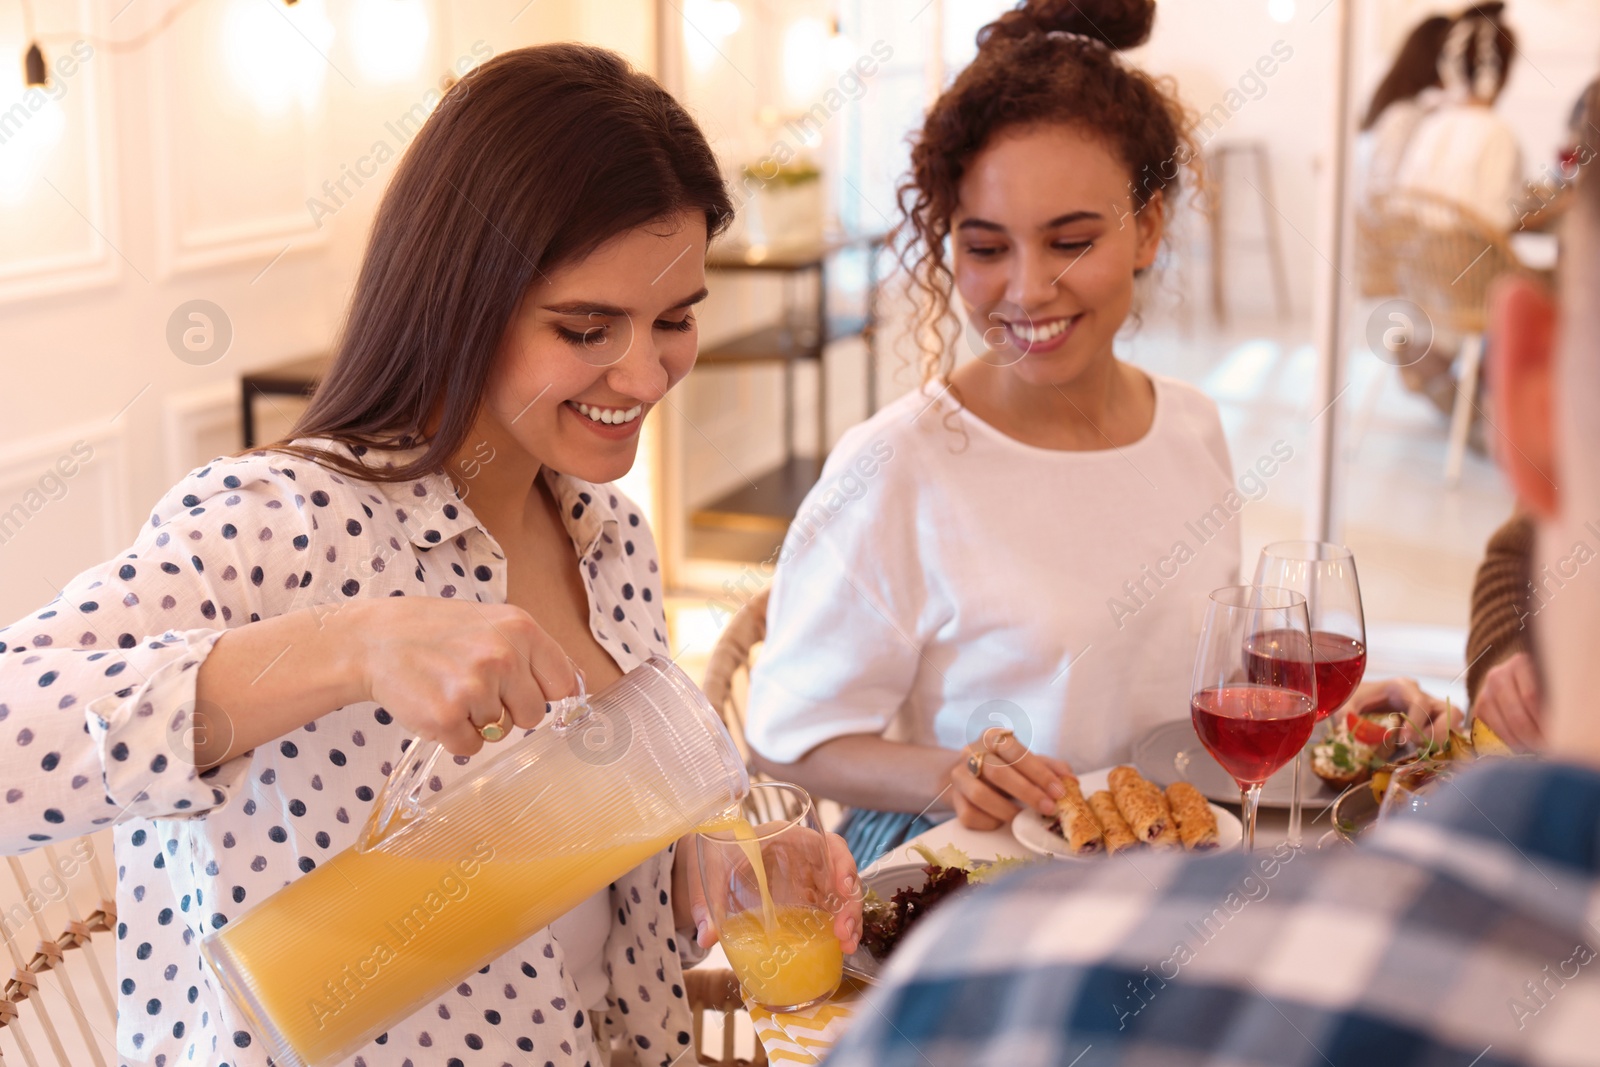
x,y
63,507
60,228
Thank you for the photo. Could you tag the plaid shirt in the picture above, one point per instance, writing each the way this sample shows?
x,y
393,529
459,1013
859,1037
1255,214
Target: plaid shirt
x,y
1464,935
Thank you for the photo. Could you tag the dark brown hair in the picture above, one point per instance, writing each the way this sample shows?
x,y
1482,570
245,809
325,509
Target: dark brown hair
x,y
1047,61
1505,41
532,161
1415,68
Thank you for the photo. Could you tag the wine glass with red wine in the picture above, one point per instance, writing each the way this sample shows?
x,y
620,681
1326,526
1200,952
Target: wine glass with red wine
x,y
1325,574
1255,692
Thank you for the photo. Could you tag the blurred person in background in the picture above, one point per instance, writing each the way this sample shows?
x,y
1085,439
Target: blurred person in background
x,y
1408,91
1464,152
1462,149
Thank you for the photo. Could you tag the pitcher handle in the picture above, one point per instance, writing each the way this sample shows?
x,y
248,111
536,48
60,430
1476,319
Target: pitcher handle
x,y
398,803
401,799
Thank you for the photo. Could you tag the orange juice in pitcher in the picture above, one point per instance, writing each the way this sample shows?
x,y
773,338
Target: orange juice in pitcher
x,y
441,886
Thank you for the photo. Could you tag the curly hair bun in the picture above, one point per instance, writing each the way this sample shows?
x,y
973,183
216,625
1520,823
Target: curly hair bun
x,y
1120,24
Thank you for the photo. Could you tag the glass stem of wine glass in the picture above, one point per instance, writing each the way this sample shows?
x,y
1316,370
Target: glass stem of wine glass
x,y
1249,801
1294,802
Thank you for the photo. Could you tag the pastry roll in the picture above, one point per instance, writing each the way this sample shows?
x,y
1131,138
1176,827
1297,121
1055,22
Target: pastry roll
x,y
1197,823
1077,822
1072,789
1170,835
1140,803
1115,829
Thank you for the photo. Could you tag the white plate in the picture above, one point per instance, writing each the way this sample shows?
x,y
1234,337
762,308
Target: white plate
x,y
1171,753
1033,832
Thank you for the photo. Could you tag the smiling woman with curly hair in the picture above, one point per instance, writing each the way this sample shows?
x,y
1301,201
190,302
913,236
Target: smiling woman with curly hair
x,y
1013,586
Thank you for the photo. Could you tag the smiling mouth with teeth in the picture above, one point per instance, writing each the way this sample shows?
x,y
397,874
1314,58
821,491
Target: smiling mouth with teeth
x,y
1033,333
609,416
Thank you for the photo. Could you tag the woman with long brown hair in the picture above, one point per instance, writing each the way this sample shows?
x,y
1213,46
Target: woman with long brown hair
x,y
1011,582
1463,150
436,552
1409,88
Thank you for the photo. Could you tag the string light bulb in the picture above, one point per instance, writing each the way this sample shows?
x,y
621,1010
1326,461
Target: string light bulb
x,y
33,69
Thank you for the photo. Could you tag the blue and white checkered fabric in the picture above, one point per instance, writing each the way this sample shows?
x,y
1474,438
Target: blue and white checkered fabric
x,y
1464,936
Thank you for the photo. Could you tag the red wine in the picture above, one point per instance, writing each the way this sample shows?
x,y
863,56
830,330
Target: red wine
x,y
1278,657
1253,730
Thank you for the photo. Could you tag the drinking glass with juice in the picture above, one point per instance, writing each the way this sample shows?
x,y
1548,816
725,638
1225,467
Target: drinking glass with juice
x,y
770,890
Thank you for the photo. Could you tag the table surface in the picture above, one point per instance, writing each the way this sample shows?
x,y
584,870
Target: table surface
x,y
1536,250
1272,826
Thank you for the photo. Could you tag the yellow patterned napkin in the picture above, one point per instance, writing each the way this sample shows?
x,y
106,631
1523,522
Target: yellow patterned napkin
x,y
804,1037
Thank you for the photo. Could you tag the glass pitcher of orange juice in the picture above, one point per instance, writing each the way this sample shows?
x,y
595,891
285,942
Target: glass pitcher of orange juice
x,y
442,883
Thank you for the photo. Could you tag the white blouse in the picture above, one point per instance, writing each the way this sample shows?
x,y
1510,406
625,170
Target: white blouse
x,y
1384,146
95,691
1470,156
943,578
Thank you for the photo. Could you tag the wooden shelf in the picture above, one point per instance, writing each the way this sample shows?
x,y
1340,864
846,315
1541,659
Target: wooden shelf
x,y
777,344
284,379
769,504
804,257
749,523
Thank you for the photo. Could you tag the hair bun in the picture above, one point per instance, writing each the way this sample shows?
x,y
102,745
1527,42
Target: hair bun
x,y
1120,24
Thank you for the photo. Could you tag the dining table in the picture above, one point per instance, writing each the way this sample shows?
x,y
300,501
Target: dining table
x,y
1272,827
804,1038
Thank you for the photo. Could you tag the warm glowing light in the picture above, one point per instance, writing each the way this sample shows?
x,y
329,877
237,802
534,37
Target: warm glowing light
x,y
277,55
390,38
1280,10
805,55
841,52
706,25
31,126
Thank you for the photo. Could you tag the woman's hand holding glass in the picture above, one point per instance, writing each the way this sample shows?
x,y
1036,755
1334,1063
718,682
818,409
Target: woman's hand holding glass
x,y
782,897
844,888
997,774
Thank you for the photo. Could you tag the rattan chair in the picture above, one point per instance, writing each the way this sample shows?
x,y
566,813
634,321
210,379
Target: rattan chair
x,y
1445,258
727,686
58,1009
1377,234
57,911
718,991
727,678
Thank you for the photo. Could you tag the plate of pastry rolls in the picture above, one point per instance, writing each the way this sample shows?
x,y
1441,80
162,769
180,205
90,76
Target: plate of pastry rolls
x,y
1107,811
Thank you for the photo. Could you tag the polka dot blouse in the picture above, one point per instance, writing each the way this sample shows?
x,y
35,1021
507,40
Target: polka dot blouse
x,y
95,695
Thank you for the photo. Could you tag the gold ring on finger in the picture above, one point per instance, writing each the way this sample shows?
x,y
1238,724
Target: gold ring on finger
x,y
975,764
997,736
497,730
